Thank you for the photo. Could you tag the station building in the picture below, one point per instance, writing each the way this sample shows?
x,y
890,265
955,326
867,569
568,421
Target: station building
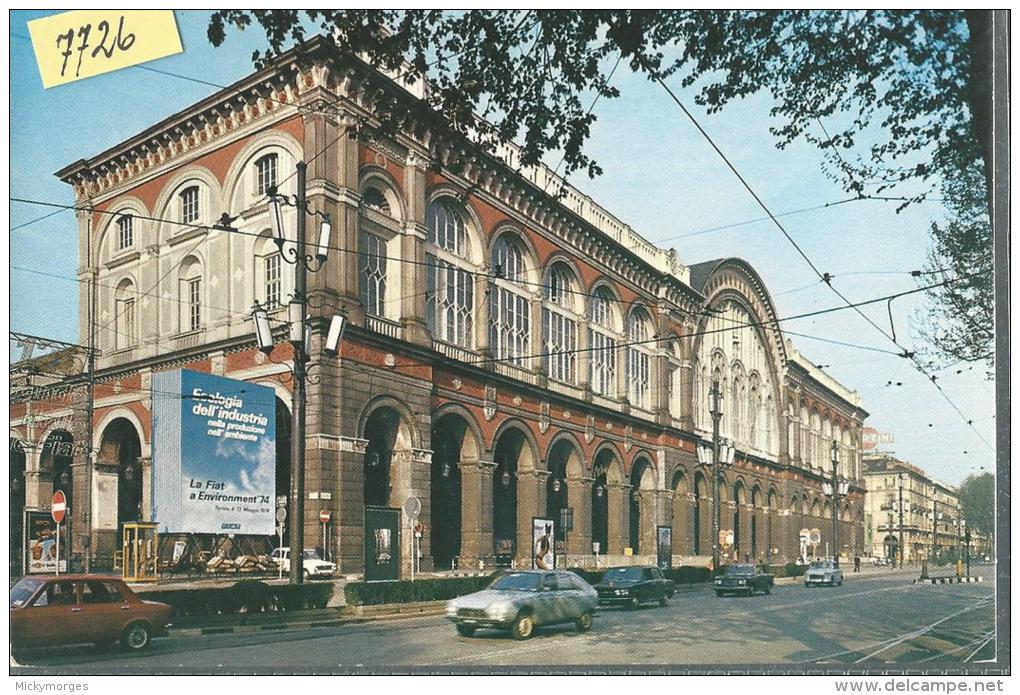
x,y
512,348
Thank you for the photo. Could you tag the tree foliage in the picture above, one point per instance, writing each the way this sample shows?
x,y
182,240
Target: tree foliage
x,y
887,95
977,502
898,79
958,321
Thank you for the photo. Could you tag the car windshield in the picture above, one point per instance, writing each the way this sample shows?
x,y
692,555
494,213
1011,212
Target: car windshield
x,y
23,590
623,573
518,581
739,570
821,565
311,554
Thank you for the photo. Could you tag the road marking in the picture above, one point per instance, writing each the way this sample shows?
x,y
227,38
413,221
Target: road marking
x,y
895,638
974,653
922,630
983,638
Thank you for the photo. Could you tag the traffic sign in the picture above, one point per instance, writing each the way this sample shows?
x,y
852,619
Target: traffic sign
x,y
725,537
58,507
324,516
412,507
816,536
281,514
281,501
418,529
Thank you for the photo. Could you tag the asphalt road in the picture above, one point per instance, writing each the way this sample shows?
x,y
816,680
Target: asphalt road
x,y
870,621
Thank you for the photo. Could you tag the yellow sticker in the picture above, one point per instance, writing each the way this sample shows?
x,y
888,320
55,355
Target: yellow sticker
x,y
84,43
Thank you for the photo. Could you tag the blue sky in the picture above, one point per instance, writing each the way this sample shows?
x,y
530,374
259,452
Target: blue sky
x,y
661,177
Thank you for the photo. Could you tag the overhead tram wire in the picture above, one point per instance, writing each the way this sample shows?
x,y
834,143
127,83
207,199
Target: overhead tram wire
x,y
659,339
827,278
408,261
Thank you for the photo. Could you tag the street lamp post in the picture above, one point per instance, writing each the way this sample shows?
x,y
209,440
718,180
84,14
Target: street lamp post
x,y
303,262
834,490
934,529
719,455
901,546
716,473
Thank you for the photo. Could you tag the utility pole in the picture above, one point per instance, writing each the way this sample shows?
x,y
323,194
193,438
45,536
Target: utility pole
x,y
716,473
834,457
934,526
903,549
91,389
297,317
297,437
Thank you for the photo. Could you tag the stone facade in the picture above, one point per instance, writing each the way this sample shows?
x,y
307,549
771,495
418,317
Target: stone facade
x,y
509,353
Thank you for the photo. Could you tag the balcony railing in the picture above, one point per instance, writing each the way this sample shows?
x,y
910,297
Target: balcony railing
x,y
391,329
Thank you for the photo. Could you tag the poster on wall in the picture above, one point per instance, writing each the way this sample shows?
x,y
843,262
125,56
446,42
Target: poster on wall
x,y
543,533
213,454
41,544
664,546
382,544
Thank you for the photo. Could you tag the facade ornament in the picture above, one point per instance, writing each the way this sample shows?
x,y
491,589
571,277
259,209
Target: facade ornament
x,y
543,417
628,438
489,407
457,383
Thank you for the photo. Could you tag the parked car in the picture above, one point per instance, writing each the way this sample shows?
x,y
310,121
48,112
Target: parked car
x,y
314,566
75,609
822,572
743,579
634,585
520,601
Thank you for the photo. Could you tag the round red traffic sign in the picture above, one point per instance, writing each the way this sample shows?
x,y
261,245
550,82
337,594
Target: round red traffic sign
x,y
324,516
58,506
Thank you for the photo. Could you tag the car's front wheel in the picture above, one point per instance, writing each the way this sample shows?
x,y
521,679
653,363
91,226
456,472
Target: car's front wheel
x,y
523,627
308,575
135,637
664,600
466,630
584,623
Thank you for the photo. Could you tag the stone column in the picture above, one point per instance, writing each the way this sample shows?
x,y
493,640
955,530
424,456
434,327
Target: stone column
x,y
146,466
619,518
647,519
37,492
687,404
579,498
481,313
476,514
681,503
531,502
413,275
350,519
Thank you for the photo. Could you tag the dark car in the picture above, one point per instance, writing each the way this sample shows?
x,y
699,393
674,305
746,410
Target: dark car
x,y
634,585
75,609
743,579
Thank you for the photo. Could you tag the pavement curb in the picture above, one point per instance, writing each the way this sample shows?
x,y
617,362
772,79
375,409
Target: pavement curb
x,y
947,580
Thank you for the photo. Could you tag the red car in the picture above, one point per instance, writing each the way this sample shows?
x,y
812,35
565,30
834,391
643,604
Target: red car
x,y
72,609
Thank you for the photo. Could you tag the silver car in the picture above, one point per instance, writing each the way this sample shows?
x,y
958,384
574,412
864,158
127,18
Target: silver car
x,y
520,601
822,572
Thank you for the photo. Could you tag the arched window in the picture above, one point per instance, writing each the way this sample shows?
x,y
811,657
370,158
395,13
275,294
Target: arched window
x,y
676,381
509,311
372,257
125,232
124,307
602,339
639,373
268,273
373,198
450,287
559,323
265,173
190,295
189,206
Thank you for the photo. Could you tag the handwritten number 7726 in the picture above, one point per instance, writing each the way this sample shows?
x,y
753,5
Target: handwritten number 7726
x,y
120,41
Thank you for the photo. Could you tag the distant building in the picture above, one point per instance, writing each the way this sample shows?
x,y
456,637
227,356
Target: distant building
x,y
930,522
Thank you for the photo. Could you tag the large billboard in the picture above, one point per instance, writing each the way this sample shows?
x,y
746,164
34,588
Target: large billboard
x,y
213,454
